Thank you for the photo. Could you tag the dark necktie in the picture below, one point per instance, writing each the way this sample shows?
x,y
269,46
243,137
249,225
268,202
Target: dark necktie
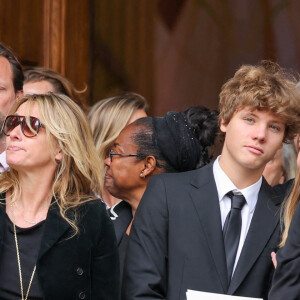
x,y
232,230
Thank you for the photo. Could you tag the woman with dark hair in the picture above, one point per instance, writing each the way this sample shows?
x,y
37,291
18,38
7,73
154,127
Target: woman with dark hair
x,y
107,118
177,142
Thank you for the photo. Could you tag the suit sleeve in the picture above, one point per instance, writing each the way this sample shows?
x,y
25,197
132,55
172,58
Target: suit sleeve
x,y
105,260
145,271
286,278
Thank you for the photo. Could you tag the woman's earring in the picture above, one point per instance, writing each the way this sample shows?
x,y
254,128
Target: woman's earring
x,y
142,174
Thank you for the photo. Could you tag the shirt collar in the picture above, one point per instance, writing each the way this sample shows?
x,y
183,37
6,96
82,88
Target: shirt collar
x,y
3,165
225,185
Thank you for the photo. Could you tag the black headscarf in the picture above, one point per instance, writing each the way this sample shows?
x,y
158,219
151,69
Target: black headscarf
x,y
176,141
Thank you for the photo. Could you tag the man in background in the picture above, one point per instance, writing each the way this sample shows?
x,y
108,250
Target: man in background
x,y
11,86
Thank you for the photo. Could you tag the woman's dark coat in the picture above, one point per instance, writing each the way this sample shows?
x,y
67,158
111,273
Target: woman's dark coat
x,y
85,266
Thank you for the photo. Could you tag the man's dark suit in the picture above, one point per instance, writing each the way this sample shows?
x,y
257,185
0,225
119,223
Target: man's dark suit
x,y
176,242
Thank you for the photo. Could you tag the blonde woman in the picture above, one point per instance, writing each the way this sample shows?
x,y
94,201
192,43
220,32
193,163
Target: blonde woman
x,y
57,241
107,118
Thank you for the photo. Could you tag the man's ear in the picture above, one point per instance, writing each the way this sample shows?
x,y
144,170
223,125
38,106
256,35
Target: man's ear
x,y
223,126
149,166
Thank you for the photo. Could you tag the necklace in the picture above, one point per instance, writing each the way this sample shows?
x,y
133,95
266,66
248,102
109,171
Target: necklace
x,y
30,222
19,261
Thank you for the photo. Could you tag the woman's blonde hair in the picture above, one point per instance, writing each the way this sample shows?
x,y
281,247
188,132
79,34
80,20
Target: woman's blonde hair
x,y
288,208
293,198
78,171
107,119
289,205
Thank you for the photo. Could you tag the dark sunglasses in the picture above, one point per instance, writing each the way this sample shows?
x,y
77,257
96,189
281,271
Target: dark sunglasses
x,y
30,126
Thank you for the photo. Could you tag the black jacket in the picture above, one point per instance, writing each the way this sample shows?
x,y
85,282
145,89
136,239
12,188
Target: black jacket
x,y
176,241
286,278
121,215
85,266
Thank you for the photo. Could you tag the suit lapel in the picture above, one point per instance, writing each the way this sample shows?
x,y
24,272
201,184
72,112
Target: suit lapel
x,y
205,199
263,224
55,227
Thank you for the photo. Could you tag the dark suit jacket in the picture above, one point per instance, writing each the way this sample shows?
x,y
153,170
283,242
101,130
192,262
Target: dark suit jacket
x,y
83,267
287,274
124,212
176,242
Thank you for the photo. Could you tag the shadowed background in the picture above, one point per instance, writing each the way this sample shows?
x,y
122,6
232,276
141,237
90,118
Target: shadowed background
x,y
176,53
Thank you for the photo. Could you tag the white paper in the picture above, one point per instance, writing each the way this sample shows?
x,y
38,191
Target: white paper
x,y
196,295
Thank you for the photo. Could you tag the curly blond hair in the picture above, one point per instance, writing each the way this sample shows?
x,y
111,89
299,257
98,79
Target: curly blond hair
x,y
264,87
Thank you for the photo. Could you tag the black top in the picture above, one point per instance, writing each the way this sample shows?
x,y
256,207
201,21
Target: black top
x,y
29,240
121,215
85,266
122,252
285,283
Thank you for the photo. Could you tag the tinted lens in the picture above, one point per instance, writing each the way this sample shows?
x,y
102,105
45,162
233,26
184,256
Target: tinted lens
x,y
30,126
11,122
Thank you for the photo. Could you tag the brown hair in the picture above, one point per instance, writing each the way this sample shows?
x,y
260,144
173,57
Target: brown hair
x,y
16,68
60,83
263,87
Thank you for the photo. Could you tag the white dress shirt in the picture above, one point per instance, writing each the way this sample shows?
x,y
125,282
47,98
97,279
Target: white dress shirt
x,y
225,185
3,165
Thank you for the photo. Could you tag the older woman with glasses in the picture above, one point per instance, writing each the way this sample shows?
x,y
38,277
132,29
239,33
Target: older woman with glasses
x,y
56,241
107,118
176,142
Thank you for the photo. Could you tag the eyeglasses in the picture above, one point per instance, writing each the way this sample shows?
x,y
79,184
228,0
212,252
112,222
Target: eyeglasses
x,y
112,153
30,126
